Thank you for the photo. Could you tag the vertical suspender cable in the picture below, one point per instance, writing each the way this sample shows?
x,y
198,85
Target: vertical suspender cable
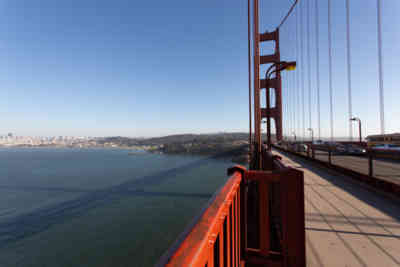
x,y
289,89
309,63
285,116
287,105
293,103
330,67
381,95
288,101
349,69
286,88
249,66
293,79
284,106
297,72
285,121
284,77
294,76
317,67
302,71
294,85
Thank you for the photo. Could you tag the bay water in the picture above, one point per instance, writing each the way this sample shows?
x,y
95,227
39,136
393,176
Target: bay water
x,y
98,207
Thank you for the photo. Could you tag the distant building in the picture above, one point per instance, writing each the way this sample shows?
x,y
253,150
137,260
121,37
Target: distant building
x,y
379,139
383,137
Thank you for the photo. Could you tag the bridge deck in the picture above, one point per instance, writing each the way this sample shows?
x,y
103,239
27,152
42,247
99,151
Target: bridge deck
x,y
383,168
346,224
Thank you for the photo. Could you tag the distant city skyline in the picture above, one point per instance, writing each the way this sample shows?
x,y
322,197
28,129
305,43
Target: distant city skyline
x,y
72,137
142,69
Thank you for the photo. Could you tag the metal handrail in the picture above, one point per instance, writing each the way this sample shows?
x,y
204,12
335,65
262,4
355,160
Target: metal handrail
x,y
244,206
205,240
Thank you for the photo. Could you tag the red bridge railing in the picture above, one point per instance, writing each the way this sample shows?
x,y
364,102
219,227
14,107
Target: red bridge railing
x,y
256,218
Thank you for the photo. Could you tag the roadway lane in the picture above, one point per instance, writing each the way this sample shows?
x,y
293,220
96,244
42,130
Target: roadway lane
x,y
346,224
383,168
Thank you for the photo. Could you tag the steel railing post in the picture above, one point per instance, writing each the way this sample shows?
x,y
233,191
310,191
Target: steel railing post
x,y
330,156
370,163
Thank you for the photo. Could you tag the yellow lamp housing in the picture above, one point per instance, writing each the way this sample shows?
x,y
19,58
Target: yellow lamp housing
x,y
290,66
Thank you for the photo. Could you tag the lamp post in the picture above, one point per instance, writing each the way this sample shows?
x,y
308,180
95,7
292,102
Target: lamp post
x,y
274,68
359,126
312,142
265,122
312,135
294,136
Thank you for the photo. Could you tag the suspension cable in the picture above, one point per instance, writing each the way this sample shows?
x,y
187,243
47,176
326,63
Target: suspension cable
x,y
293,103
286,107
302,70
330,67
288,14
289,83
349,69
294,78
293,35
381,93
297,72
309,63
317,67
291,107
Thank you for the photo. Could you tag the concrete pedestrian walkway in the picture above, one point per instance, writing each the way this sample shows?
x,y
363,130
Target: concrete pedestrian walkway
x,y
347,224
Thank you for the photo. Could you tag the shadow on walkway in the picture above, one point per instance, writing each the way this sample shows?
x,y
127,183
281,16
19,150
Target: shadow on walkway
x,y
385,204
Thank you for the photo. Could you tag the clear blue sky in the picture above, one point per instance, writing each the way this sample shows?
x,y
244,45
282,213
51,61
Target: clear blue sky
x,y
149,68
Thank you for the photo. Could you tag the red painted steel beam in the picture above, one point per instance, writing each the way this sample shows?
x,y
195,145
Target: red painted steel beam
x,y
263,204
293,219
261,261
272,112
272,83
268,36
267,176
268,59
256,80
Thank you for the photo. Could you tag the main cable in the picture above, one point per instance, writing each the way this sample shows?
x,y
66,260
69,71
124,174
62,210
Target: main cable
x,y
288,14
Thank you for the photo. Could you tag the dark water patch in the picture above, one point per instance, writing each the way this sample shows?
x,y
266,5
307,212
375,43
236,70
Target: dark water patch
x,y
39,220
44,188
